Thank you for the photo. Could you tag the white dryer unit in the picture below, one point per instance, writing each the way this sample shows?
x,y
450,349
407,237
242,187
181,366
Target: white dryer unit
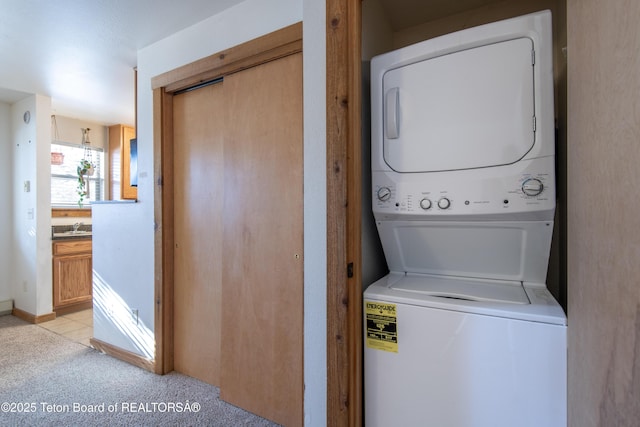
x,y
463,331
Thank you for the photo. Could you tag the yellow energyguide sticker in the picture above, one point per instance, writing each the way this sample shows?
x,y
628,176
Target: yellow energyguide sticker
x,y
382,326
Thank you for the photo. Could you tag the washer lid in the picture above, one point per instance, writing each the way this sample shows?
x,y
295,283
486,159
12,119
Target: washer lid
x,y
464,110
466,289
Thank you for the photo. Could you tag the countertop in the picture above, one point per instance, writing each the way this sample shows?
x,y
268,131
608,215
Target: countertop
x,y
66,232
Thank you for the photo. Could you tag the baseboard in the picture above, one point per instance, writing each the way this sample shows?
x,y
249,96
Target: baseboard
x,y
124,355
32,318
6,307
61,311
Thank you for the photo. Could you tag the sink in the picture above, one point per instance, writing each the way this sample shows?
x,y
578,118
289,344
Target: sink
x,y
75,231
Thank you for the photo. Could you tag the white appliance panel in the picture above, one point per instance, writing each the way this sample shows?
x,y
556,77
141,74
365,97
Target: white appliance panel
x,y
498,39
463,331
494,250
466,370
496,193
425,290
468,109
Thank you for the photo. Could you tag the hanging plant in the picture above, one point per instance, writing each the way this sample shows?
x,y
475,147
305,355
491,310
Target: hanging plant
x,y
85,169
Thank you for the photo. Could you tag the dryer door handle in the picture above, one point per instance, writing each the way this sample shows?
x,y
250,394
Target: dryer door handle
x,y
391,113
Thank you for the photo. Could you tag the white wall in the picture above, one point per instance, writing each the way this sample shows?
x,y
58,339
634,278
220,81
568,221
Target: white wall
x,y
118,279
315,213
135,284
25,228
70,130
6,219
32,272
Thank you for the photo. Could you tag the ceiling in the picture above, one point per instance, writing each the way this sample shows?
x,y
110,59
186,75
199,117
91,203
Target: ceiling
x,y
82,53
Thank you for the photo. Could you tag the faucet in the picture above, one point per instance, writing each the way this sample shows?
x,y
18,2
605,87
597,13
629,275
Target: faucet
x,y
76,226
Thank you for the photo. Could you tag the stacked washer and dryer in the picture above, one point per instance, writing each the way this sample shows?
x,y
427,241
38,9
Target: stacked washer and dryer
x,y
463,331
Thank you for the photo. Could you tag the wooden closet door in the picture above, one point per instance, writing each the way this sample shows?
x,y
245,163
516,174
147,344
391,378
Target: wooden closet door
x,y
262,282
198,194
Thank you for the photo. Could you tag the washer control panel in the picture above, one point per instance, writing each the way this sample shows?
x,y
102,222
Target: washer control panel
x,y
532,187
426,204
523,193
384,194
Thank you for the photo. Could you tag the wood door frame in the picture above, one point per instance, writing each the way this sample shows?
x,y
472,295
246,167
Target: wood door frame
x,y
343,162
344,213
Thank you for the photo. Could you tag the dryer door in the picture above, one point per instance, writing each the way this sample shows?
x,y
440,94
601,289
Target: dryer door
x,y
468,109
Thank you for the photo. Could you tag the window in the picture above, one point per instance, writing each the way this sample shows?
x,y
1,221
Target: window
x,y
64,174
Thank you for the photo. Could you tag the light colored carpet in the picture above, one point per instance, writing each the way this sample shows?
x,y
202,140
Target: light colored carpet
x,y
47,380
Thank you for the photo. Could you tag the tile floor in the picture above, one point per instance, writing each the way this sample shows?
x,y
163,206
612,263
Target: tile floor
x,y
76,326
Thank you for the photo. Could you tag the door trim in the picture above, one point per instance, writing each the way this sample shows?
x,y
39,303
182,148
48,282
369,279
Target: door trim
x,y
263,49
344,194
267,48
343,98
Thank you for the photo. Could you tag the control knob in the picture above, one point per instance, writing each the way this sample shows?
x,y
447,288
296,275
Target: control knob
x,y
425,204
384,194
444,203
532,187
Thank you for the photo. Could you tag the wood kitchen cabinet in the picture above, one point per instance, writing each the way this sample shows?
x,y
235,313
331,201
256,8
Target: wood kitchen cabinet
x,y
72,275
120,137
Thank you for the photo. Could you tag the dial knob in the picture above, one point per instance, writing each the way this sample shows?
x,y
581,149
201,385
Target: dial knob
x,y
425,204
532,187
444,203
384,194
